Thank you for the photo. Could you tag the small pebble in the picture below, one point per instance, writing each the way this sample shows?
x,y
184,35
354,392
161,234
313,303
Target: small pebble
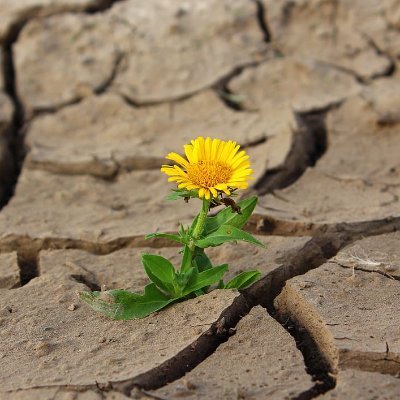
x,y
72,307
42,348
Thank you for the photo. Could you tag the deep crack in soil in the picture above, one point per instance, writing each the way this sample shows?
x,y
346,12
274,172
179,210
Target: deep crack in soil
x,y
16,137
315,253
18,129
262,18
308,145
264,292
315,362
28,266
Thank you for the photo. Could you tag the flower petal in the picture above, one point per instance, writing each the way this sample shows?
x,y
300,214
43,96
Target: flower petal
x,y
211,166
178,158
189,152
213,191
214,148
207,148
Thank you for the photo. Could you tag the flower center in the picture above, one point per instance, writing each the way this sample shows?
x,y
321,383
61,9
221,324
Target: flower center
x,y
208,173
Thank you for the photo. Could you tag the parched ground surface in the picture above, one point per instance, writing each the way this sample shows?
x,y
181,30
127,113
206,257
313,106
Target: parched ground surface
x,y
95,93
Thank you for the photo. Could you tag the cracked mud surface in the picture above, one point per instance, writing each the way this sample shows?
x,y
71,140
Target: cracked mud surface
x,y
95,93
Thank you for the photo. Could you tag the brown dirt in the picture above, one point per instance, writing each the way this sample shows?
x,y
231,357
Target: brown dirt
x,y
97,92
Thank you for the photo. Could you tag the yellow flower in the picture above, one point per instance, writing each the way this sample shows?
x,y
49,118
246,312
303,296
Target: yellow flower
x,y
212,166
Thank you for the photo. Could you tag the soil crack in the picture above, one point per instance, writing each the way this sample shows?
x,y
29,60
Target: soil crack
x,y
28,266
17,131
308,146
390,69
220,86
315,363
227,96
40,12
316,252
385,363
102,88
17,135
28,250
267,225
183,362
263,21
365,80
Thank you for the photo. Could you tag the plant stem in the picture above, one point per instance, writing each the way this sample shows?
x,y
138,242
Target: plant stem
x,y
198,228
201,219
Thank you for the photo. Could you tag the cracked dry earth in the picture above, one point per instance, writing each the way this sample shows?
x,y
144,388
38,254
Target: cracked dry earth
x,y
94,94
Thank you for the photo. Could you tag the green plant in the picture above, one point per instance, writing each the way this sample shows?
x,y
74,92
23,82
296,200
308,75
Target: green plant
x,y
213,172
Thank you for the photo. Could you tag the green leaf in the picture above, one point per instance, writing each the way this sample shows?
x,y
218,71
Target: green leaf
x,y
243,280
182,232
183,277
173,196
200,280
122,304
226,233
176,238
197,259
187,257
200,260
161,272
194,223
221,284
181,193
228,217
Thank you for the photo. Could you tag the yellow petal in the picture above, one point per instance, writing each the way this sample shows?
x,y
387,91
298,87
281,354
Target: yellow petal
x,y
196,151
238,184
207,194
201,193
191,186
180,172
214,148
169,171
213,191
226,151
189,152
221,186
232,154
177,158
242,173
243,167
236,163
207,148
201,141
